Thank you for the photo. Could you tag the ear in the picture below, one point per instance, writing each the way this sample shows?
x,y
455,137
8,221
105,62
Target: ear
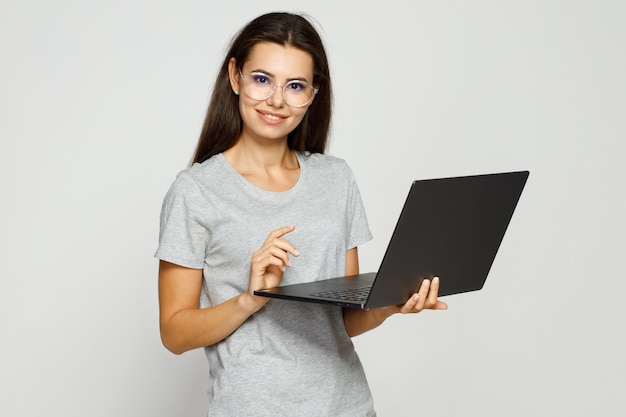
x,y
233,75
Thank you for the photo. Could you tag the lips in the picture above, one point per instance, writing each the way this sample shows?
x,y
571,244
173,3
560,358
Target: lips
x,y
272,117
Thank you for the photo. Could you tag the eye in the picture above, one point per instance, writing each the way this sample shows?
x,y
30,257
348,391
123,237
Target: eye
x,y
261,79
296,86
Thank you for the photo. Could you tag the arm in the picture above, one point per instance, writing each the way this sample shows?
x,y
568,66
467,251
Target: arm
x,y
184,326
361,321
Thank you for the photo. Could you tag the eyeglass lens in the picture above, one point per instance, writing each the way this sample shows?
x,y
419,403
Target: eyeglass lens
x,y
296,93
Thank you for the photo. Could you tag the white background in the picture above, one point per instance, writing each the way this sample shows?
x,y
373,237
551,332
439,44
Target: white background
x,y
101,104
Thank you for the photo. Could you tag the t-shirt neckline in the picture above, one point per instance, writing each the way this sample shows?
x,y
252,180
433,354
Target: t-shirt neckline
x,y
258,190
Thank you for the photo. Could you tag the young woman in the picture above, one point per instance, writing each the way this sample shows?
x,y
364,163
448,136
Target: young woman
x,y
260,206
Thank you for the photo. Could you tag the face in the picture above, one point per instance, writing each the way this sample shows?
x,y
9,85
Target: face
x,y
272,118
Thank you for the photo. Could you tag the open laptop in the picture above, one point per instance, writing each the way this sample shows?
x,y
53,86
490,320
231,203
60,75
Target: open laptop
x,y
449,227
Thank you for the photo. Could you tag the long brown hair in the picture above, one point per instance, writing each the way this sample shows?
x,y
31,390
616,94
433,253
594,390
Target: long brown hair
x,y
223,124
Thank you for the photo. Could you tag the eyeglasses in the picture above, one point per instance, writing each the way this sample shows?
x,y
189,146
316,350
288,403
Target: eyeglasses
x,y
260,86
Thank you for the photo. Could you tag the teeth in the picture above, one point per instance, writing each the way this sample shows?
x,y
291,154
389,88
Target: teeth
x,y
272,117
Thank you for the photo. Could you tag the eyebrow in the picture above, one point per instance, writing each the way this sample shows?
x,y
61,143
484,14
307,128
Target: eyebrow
x,y
269,74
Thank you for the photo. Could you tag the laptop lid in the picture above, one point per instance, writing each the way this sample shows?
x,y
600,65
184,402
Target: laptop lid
x,y
451,228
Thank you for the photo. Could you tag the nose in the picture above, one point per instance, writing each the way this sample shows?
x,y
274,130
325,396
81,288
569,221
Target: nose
x,y
277,99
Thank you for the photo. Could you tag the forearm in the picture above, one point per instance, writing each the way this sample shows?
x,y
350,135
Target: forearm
x,y
360,321
194,328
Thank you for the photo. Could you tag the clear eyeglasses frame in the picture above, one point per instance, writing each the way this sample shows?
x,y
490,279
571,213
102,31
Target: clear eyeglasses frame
x,y
260,86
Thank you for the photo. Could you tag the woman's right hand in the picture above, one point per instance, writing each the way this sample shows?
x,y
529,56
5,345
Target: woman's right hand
x,y
184,326
269,262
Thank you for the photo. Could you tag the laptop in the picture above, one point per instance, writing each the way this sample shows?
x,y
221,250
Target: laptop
x,y
449,227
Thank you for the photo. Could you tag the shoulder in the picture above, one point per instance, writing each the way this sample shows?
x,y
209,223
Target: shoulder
x,y
326,164
197,182
201,175
212,168
328,174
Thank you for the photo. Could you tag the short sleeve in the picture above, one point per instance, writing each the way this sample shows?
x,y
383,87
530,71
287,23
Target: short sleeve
x,y
184,235
357,227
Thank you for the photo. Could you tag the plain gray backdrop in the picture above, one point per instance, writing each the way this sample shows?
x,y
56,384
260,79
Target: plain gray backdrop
x,y
101,103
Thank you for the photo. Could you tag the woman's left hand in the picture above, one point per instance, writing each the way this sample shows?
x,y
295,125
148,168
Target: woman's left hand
x,y
425,298
361,321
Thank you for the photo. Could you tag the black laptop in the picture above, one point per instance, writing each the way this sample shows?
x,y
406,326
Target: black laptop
x,y
449,227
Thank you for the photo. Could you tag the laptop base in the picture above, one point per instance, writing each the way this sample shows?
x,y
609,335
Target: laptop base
x,y
320,292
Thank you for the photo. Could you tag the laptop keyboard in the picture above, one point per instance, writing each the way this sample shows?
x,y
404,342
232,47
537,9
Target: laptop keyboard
x,y
355,294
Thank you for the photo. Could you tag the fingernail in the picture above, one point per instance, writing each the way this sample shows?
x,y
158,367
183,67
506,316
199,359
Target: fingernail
x,y
296,253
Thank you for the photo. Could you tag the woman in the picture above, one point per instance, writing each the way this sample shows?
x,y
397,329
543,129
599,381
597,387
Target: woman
x,y
262,205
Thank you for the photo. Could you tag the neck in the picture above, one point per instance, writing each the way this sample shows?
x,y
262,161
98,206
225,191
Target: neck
x,y
250,155
270,168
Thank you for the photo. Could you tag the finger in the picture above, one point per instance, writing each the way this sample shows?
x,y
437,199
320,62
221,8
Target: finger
x,y
281,255
433,303
277,262
278,233
423,294
433,292
271,256
285,246
278,247
275,239
409,306
440,306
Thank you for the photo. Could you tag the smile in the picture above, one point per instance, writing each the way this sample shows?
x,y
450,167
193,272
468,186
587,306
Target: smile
x,y
272,118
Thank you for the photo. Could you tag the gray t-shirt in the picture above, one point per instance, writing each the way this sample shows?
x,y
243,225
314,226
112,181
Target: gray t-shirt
x,y
289,358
